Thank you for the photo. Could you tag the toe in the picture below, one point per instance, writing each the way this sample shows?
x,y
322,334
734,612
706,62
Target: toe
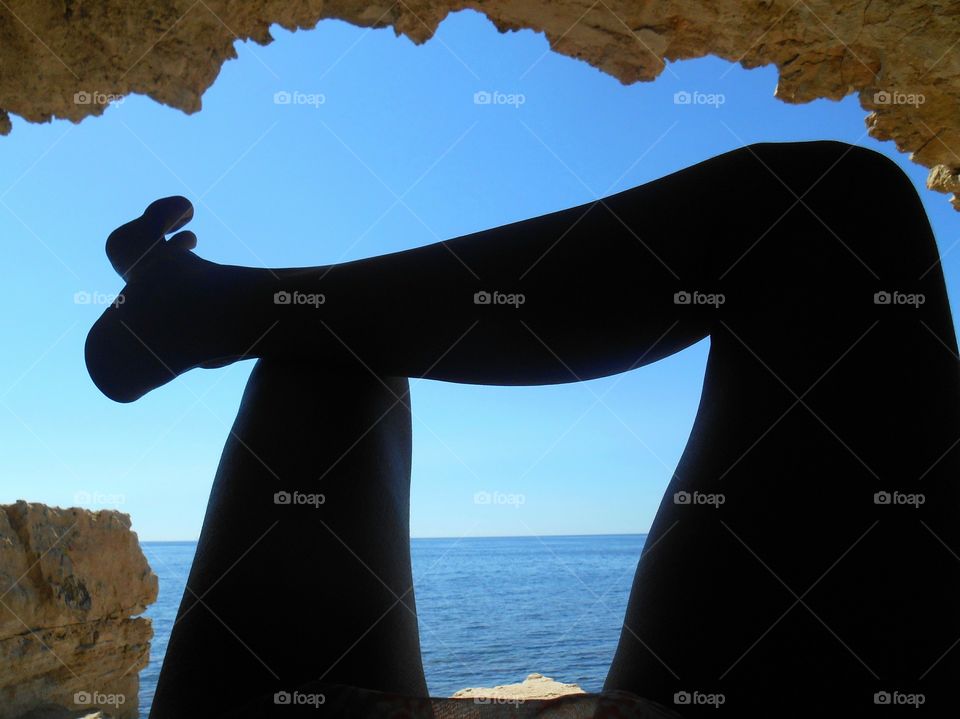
x,y
131,244
185,240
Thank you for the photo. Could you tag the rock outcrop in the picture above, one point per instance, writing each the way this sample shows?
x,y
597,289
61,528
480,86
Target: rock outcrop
x,y
535,686
71,584
70,59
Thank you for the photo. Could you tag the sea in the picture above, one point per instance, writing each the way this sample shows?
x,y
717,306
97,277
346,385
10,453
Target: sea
x,y
491,609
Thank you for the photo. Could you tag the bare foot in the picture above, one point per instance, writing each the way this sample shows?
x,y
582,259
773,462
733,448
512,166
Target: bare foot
x,y
173,313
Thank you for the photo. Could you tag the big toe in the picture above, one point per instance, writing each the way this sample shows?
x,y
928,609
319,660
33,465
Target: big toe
x,y
131,245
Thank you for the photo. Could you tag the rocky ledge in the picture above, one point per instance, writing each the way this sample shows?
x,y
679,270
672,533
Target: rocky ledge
x,y
71,59
72,582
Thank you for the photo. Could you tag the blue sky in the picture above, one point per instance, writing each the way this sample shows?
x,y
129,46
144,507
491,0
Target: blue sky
x,y
382,148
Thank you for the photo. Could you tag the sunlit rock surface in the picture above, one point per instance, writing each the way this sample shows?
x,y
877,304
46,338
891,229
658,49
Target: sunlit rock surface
x,y
67,59
535,686
71,584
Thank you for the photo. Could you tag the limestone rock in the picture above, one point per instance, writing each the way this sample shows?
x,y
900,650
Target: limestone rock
x,y
535,686
71,583
69,59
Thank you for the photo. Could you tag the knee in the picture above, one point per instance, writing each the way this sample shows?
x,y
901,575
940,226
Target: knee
x,y
857,198
858,173
870,178
307,389
881,217
846,183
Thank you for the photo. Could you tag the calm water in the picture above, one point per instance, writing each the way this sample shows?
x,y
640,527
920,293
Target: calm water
x,y
492,610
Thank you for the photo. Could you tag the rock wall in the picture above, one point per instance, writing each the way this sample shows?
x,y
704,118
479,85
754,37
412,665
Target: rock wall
x,y
67,58
71,583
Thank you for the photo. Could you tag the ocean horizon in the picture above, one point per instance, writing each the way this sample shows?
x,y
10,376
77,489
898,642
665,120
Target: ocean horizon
x,y
472,536
556,608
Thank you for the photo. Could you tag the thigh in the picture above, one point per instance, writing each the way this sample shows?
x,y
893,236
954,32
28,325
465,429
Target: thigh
x,y
806,544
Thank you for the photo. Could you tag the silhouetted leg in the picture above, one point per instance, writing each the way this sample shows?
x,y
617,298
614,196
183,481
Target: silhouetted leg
x,y
599,286
778,576
285,593
583,292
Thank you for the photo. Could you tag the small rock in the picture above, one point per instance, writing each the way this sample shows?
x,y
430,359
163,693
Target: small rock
x,y
535,686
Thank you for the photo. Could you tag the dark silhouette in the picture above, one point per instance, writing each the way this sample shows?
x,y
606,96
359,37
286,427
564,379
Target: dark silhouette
x,y
805,553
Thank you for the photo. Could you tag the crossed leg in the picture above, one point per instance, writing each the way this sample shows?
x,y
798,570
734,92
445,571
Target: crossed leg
x,y
816,398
